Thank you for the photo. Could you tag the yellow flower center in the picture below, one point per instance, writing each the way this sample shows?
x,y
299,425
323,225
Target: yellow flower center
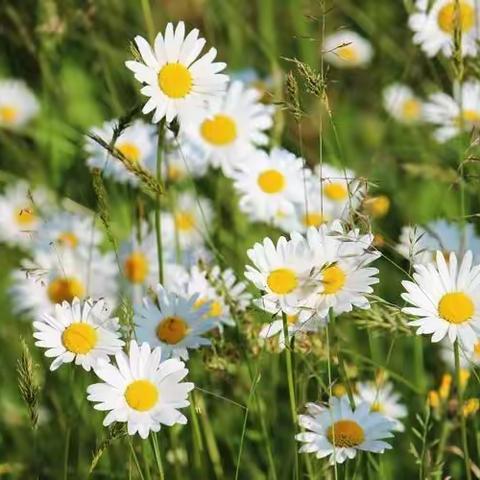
x,y
25,217
411,109
333,279
68,239
449,16
339,390
456,307
216,308
184,221
141,395
175,80
130,151
271,181
219,130
65,289
8,114
79,338
470,117
345,434
377,206
348,53
292,319
282,281
313,219
175,173
377,407
136,267
335,191
476,350
172,330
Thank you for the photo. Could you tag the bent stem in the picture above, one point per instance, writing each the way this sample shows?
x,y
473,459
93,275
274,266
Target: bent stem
x,y
158,457
463,427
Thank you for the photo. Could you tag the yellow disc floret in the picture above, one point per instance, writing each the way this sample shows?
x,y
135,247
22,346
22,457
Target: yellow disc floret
x,y
456,307
136,267
449,16
172,330
141,395
271,181
65,289
79,338
333,279
282,281
175,80
345,434
220,130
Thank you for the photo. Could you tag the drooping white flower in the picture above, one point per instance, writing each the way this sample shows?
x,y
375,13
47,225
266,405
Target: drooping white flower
x,y
347,49
402,104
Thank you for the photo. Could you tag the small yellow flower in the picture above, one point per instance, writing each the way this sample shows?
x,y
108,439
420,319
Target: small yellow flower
x,y
433,399
471,406
445,385
464,376
377,206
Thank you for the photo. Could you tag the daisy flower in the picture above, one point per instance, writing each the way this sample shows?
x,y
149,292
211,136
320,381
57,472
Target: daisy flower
x,y
383,399
342,277
339,432
402,104
59,276
269,183
176,81
434,26
347,49
173,322
281,272
19,215
446,298
235,291
142,390
340,187
137,143
452,115
18,105
189,222
231,128
82,332
67,230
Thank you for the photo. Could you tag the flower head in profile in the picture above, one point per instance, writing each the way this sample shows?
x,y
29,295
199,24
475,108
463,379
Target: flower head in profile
x,y
18,105
445,297
137,142
338,431
176,80
173,322
402,104
434,26
454,115
80,332
383,399
141,390
347,49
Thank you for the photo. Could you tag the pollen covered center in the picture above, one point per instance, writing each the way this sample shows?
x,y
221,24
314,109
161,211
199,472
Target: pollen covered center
x,y
449,16
136,267
25,217
141,395
215,310
411,109
175,80
65,289
335,191
313,219
333,279
79,338
271,181
456,307
130,151
348,53
68,239
282,281
220,130
8,114
345,434
172,330
184,221
470,117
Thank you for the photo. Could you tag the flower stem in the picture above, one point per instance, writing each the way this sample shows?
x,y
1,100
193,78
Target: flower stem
x,y
158,217
158,457
461,416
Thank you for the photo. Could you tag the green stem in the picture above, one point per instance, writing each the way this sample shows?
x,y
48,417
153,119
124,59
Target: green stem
x,y
444,434
148,17
463,425
135,458
158,456
158,217
197,436
291,382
